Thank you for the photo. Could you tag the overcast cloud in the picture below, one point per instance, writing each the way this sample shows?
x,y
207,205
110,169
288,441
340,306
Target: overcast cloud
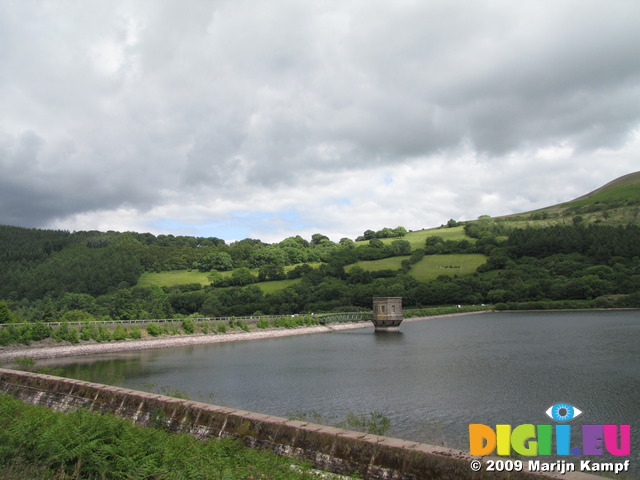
x,y
269,119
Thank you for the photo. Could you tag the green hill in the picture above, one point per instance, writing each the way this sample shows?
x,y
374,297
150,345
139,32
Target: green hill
x,y
585,250
616,203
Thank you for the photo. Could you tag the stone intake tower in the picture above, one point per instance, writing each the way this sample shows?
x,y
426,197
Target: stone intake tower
x,y
387,313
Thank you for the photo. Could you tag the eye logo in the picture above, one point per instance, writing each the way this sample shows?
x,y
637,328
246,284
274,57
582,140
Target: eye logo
x,y
563,412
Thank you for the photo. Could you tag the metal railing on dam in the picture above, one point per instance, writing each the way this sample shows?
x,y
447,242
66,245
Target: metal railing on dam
x,y
344,317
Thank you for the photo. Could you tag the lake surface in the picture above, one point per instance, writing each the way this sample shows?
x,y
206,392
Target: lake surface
x,y
432,379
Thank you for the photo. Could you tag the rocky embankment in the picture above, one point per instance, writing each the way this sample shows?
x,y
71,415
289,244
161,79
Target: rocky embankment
x,y
89,348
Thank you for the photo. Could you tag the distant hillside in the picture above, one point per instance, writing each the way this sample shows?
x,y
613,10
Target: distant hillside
x,y
616,203
585,251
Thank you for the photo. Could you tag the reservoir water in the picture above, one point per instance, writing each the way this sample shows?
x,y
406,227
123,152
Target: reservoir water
x,y
432,379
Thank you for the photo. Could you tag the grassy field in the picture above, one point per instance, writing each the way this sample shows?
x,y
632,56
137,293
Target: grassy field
x,y
392,263
181,277
276,285
429,268
417,239
432,266
174,277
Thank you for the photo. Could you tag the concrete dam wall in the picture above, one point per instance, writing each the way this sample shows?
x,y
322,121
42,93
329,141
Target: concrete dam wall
x,y
332,449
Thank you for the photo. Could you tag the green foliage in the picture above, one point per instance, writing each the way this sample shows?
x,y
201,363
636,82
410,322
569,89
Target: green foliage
x,y
292,321
239,277
384,233
119,333
242,325
221,327
263,323
25,334
153,329
65,333
89,332
90,446
40,331
135,332
77,316
188,326
271,272
6,337
215,260
374,422
6,316
103,334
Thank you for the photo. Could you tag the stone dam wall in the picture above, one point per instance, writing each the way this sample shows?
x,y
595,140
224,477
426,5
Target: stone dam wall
x,y
331,449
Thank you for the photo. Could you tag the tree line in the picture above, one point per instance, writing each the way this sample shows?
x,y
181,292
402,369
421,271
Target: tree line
x,y
96,273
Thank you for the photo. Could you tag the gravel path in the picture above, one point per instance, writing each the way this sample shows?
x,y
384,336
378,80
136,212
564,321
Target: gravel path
x,y
9,353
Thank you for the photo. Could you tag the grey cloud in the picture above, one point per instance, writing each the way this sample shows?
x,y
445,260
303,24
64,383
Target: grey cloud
x,y
125,101
40,181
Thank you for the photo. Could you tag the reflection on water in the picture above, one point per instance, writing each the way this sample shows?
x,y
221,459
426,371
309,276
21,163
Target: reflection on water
x,y
431,379
386,340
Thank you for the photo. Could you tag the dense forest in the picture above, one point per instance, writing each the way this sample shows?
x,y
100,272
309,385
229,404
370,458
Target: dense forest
x,y
48,275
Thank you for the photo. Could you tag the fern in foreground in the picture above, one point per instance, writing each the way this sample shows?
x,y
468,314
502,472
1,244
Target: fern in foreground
x,y
46,444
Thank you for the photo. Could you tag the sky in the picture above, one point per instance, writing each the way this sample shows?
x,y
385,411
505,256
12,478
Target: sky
x,y
246,118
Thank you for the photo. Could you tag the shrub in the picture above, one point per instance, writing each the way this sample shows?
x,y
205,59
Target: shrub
x,y
263,323
242,325
154,329
222,327
66,334
188,326
40,331
309,320
135,332
24,334
6,337
73,336
89,332
119,333
103,334
6,315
